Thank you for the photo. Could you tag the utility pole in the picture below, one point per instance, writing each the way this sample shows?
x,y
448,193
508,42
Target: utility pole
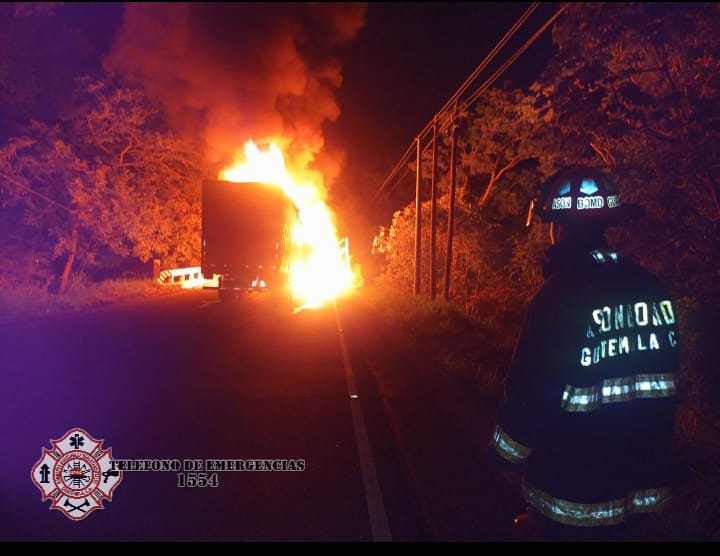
x,y
433,206
418,215
451,209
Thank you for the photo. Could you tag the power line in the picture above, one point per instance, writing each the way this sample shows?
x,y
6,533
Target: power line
x,y
494,77
454,99
508,35
512,59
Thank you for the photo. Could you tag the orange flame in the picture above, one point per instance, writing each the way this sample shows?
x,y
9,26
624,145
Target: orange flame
x,y
325,271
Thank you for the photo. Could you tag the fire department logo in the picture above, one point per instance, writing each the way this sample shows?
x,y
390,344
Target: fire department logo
x,y
76,474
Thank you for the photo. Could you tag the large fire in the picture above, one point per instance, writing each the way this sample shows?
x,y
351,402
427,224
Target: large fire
x,y
325,271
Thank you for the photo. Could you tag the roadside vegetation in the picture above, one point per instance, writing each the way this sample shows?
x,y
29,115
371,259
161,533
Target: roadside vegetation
x,y
20,302
464,348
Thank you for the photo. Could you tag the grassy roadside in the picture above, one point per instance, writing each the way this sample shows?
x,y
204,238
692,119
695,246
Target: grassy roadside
x,y
20,302
471,353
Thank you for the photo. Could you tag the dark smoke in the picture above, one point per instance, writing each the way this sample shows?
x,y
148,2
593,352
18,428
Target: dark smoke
x,y
230,72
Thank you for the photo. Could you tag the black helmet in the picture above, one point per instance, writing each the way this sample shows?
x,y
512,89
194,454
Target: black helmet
x,y
581,196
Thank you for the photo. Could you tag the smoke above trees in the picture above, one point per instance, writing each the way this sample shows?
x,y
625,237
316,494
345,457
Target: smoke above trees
x,y
229,73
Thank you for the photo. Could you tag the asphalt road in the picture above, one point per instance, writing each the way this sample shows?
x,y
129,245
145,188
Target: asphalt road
x,y
379,449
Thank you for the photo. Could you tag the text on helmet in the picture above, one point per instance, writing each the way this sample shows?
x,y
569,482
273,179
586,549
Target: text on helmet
x,y
584,203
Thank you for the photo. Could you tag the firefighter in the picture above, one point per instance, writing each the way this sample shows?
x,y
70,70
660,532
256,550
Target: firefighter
x,y
589,409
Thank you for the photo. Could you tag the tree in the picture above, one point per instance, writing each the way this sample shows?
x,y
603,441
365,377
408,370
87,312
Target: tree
x,y
153,176
496,170
32,171
107,178
635,87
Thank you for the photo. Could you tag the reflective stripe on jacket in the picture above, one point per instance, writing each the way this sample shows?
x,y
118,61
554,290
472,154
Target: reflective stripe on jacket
x,y
509,449
611,512
615,390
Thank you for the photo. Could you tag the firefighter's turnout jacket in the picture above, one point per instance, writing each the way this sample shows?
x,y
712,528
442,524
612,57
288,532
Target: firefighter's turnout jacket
x,y
590,396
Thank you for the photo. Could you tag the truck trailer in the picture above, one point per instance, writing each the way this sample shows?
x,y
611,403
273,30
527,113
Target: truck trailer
x,y
247,237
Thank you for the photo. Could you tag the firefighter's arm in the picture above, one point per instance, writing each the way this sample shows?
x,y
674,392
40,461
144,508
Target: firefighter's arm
x,y
520,415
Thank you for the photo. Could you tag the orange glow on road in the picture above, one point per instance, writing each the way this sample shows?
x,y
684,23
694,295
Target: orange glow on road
x,y
325,270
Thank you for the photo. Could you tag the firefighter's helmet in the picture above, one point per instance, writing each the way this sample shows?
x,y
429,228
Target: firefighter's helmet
x,y
581,196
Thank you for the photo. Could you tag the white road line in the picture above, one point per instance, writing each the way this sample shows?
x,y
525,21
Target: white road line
x,y
373,494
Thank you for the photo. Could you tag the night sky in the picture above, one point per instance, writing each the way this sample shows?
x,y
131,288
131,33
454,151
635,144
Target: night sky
x,y
411,58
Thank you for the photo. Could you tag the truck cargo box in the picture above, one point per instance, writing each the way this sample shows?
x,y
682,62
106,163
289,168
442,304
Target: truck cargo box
x,y
246,234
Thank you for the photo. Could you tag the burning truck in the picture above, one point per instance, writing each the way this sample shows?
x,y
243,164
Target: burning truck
x,y
247,237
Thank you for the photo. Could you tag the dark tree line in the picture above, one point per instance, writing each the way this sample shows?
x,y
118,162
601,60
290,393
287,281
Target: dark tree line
x,y
91,176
